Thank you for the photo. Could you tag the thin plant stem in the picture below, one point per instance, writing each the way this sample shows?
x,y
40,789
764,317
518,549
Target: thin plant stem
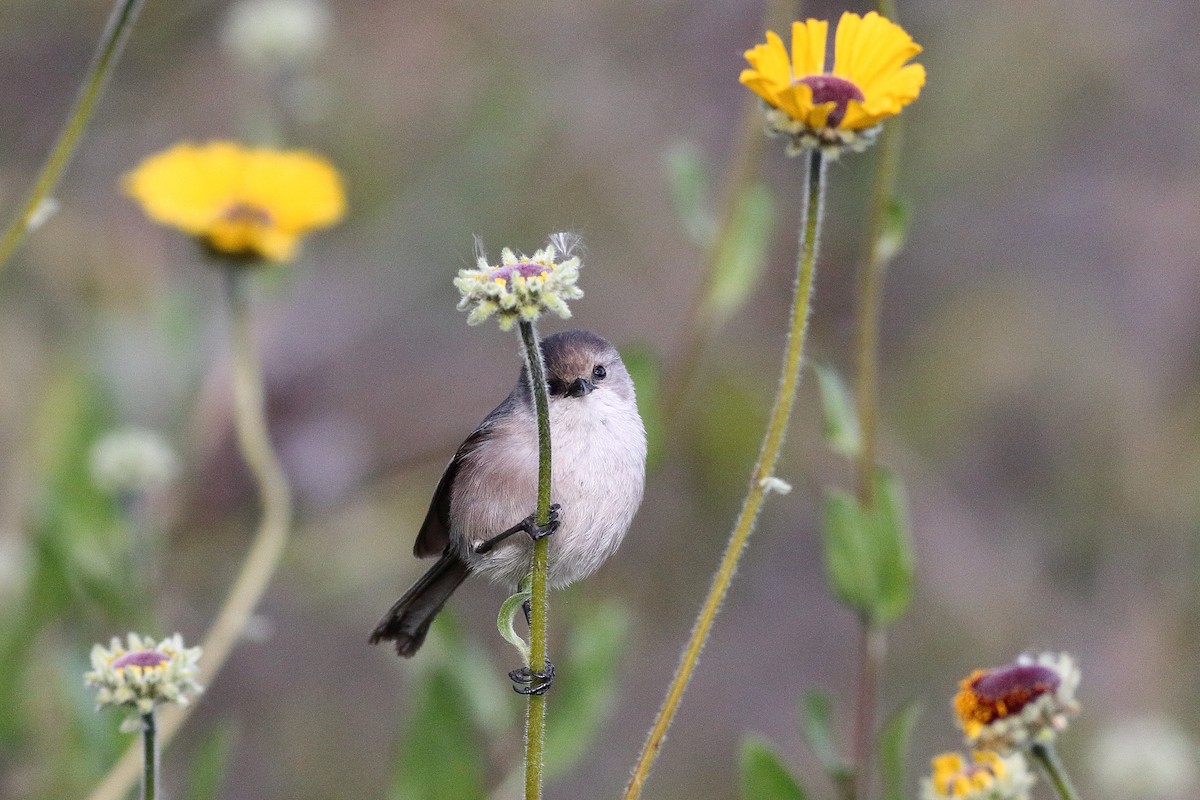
x,y
149,757
112,41
873,647
269,541
764,469
1047,758
870,300
535,721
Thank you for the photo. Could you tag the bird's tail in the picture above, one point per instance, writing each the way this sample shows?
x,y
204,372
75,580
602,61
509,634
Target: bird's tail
x,y
407,621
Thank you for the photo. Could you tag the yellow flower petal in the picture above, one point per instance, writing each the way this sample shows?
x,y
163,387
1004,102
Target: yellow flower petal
x,y
808,47
770,71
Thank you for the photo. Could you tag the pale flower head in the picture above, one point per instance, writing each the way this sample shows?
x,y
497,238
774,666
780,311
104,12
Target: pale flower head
x,y
142,674
274,34
1027,702
133,460
522,287
1146,758
987,776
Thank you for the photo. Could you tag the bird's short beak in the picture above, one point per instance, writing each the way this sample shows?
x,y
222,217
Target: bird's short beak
x,y
579,387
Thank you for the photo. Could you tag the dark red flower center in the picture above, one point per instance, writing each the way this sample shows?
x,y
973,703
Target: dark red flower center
x,y
246,214
832,89
140,658
526,269
1008,690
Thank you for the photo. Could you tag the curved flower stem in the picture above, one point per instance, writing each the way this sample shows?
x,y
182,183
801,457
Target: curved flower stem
x,y
866,349
267,548
535,722
767,458
120,21
1048,760
149,757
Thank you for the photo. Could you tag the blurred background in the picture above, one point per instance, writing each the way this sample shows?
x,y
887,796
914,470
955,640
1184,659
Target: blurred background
x,y
1040,379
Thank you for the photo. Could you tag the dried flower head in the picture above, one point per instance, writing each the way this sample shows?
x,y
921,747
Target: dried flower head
x,y
133,460
276,34
1022,703
988,776
141,674
247,204
870,82
522,287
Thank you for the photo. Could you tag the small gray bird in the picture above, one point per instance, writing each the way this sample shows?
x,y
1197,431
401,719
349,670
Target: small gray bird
x,y
598,470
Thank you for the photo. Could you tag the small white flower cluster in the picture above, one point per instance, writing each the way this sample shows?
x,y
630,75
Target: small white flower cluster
x,y
522,287
142,674
803,138
989,777
133,460
269,34
1042,717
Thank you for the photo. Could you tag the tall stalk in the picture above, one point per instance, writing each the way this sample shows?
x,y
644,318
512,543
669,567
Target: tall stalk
x,y
112,41
760,479
535,721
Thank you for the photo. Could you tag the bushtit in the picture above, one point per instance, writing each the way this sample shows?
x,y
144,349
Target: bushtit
x,y
598,469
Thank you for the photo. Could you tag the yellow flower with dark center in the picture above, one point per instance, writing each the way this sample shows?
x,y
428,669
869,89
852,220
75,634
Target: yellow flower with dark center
x,y
988,776
870,81
252,203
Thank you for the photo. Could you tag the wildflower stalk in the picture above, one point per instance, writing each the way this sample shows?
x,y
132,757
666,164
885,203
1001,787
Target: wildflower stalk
x,y
149,757
763,470
1047,758
866,349
112,41
267,548
535,722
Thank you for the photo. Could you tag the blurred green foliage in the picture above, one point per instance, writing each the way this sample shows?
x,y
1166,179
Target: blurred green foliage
x,y
764,776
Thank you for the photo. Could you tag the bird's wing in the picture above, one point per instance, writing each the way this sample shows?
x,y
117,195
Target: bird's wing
x,y
434,536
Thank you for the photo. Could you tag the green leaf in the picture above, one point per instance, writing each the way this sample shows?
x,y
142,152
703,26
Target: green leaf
x,y
739,263
868,554
209,765
849,556
688,183
895,231
816,715
841,421
586,686
893,747
764,776
441,757
479,677
504,623
894,551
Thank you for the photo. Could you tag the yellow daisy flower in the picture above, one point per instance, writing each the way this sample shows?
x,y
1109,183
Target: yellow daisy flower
x,y
252,203
870,81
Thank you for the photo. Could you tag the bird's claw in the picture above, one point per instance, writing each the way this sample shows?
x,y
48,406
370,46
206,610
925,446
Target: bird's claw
x,y
527,682
536,531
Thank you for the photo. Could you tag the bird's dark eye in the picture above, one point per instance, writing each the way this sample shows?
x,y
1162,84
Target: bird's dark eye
x,y
599,372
